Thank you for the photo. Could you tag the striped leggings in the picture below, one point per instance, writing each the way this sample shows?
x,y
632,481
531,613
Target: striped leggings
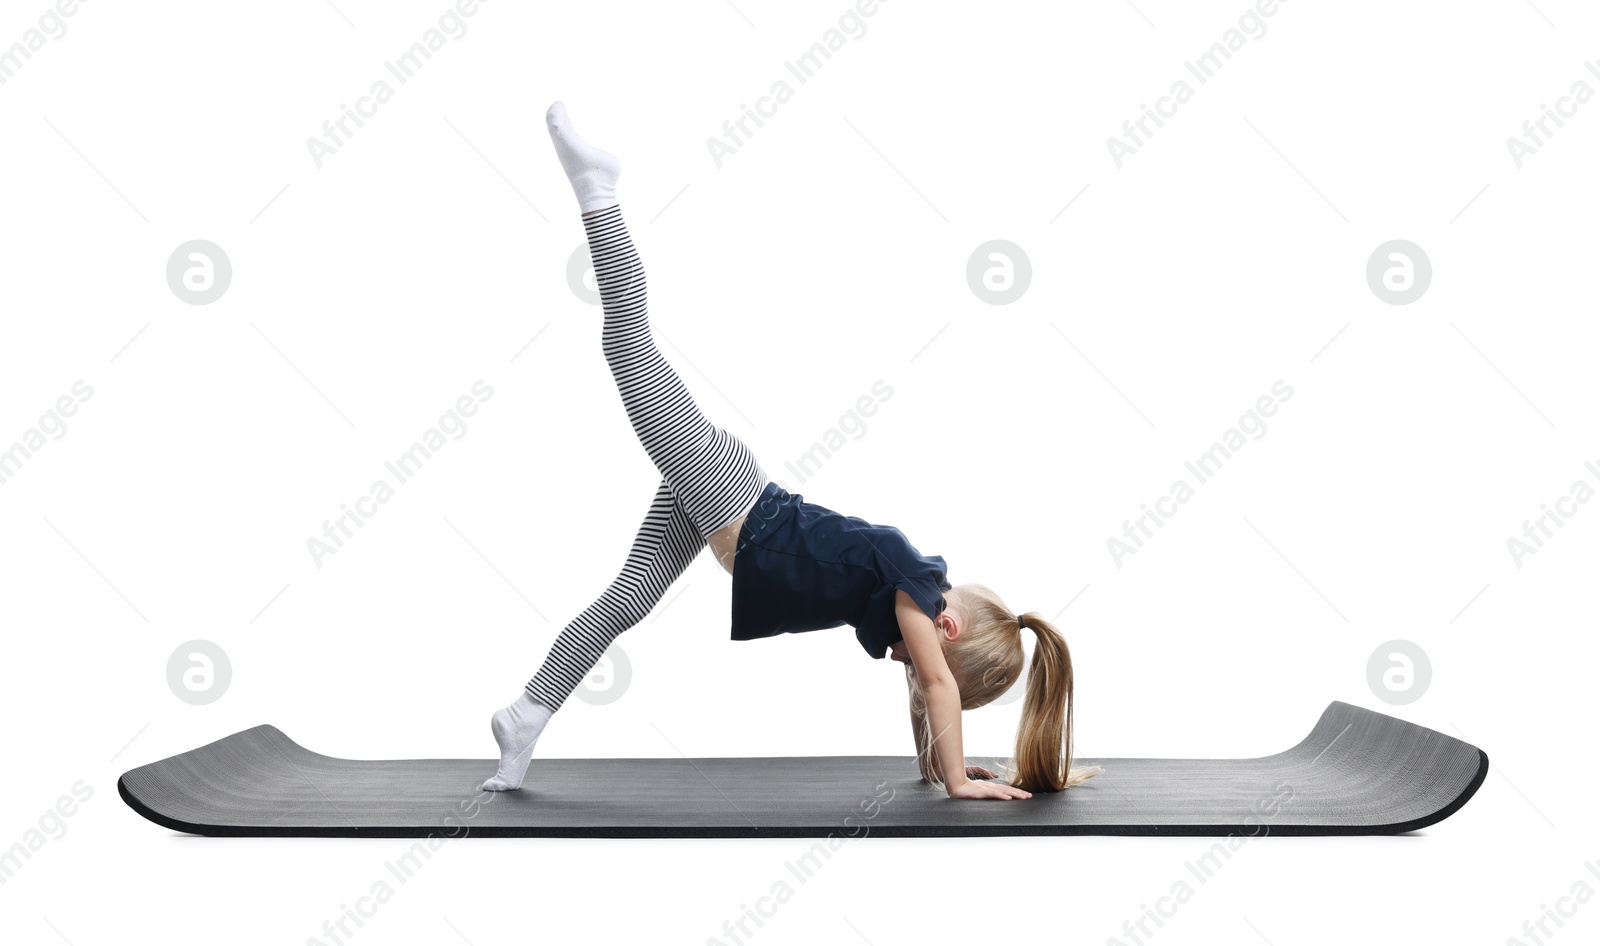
x,y
709,477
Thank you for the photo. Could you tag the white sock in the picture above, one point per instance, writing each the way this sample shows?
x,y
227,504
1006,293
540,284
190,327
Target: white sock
x,y
516,728
593,172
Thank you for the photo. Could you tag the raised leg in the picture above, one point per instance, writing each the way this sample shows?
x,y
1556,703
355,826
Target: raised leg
x,y
716,475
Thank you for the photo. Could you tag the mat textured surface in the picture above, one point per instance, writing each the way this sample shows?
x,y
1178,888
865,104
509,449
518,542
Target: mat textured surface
x,y
1358,772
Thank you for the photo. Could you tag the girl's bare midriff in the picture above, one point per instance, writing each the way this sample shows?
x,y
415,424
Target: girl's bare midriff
x,y
725,543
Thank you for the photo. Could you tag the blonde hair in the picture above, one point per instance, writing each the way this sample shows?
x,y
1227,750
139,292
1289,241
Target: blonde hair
x,y
986,659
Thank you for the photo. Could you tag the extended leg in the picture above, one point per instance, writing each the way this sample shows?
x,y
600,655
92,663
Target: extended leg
x,y
667,541
716,476
715,473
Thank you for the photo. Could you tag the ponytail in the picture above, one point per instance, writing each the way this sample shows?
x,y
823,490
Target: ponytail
x,y
1043,761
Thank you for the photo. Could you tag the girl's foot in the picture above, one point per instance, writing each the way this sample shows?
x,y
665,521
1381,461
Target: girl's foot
x,y
593,172
516,728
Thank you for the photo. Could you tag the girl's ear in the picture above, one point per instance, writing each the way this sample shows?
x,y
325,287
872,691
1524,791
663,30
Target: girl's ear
x,y
949,615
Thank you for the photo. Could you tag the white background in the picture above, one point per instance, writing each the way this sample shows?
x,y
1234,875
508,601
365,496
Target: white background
x,y
828,253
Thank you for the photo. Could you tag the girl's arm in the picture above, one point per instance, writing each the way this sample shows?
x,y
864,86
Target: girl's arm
x,y
925,761
924,757
944,704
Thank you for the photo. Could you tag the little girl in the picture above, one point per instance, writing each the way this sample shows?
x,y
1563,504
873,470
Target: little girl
x,y
796,566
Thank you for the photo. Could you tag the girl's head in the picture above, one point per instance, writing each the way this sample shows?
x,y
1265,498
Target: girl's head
x,y
982,643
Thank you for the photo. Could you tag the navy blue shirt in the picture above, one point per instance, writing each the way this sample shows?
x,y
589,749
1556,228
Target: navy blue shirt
x,y
804,567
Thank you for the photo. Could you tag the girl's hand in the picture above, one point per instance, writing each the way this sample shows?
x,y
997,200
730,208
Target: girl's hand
x,y
971,789
978,771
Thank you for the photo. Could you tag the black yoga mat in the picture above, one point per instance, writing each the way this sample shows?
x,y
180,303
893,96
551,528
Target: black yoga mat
x,y
1358,772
